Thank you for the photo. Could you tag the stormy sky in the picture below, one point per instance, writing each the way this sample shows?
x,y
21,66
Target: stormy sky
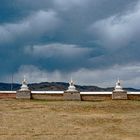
x,y
93,41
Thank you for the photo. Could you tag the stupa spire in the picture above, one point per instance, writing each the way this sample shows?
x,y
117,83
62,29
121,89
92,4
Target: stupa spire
x,y
71,82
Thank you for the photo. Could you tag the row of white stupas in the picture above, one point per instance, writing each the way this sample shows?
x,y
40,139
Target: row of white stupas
x,y
71,87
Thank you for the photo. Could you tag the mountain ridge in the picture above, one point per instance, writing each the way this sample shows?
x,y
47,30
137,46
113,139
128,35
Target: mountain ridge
x,y
54,86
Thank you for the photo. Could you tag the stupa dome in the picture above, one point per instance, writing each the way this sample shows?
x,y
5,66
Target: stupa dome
x,y
118,86
71,86
24,85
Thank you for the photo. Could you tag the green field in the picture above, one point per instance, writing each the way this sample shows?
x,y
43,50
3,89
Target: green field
x,y
61,120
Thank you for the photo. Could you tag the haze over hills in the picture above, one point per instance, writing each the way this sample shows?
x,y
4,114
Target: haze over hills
x,y
54,86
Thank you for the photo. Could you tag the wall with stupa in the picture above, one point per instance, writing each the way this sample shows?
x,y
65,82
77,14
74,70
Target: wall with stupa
x,y
58,95
71,94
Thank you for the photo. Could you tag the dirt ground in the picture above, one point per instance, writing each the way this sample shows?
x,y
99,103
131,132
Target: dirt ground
x,y
61,120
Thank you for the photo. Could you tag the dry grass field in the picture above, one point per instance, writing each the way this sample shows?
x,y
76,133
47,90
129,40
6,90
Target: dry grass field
x,y
60,120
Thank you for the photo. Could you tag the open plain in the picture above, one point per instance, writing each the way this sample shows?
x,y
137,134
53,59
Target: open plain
x,y
69,120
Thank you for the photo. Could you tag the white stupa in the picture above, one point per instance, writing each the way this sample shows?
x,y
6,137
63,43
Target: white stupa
x,y
71,86
118,86
24,86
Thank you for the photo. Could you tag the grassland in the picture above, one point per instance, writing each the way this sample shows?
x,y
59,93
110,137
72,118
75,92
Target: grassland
x,y
42,120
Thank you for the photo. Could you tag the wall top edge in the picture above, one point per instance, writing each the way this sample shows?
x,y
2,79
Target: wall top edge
x,y
47,92
133,92
95,92
7,92
61,92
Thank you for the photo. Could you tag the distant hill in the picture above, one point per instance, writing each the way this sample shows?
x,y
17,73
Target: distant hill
x,y
54,86
7,86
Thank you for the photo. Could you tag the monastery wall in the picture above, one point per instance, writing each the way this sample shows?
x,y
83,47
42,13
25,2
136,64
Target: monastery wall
x,y
133,95
7,94
92,96
47,95
58,95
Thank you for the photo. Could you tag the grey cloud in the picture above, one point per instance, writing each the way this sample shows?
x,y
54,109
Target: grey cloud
x,y
65,57
51,37
57,50
67,5
119,30
33,26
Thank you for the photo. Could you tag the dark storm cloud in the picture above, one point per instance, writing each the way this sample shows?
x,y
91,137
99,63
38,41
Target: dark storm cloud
x,y
68,36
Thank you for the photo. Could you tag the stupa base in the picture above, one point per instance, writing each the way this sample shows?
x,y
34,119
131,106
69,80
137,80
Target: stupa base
x,y
72,96
23,94
119,95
